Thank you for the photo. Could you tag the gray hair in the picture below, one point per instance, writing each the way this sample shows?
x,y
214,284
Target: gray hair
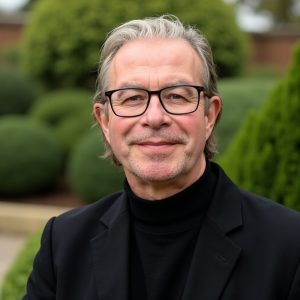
x,y
166,27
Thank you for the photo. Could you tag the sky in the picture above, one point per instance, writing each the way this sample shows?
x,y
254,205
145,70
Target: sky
x,y
246,19
10,5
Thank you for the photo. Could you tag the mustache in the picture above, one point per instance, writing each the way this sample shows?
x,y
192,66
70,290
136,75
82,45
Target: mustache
x,y
169,137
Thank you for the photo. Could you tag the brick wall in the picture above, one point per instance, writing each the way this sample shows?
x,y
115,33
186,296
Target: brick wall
x,y
273,49
268,50
11,29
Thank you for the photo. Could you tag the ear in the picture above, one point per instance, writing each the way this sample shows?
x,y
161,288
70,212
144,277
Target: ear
x,y
101,117
212,114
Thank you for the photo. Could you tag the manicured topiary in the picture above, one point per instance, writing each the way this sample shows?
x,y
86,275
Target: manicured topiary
x,y
68,112
14,285
90,176
64,50
265,155
10,55
17,93
30,157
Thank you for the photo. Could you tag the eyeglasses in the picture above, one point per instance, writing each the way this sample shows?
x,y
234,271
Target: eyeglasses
x,y
176,100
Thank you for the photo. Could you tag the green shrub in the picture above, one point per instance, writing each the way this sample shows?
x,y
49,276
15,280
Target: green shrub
x,y
239,95
17,93
265,156
30,157
90,176
14,285
10,55
64,50
68,112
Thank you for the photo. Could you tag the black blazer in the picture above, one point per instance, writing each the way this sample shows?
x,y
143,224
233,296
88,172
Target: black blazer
x,y
248,249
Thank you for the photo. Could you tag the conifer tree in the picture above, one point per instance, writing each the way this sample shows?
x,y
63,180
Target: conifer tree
x,y
264,157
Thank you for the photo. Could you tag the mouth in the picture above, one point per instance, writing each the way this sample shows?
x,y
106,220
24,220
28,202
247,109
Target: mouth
x,y
157,147
156,144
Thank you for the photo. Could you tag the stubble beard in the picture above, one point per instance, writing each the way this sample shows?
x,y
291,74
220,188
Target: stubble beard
x,y
159,167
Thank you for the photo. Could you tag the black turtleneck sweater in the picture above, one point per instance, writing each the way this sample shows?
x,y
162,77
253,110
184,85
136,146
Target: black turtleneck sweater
x,y
163,237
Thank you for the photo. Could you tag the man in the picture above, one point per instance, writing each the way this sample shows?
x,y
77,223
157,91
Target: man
x,y
181,229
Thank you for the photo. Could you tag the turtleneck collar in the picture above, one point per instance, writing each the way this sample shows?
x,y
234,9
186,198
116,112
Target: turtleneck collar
x,y
192,201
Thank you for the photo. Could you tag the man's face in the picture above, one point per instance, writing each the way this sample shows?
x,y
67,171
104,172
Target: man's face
x,y
158,148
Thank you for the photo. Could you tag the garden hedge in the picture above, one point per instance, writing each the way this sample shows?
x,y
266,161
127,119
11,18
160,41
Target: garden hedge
x,y
68,112
17,93
91,177
265,155
14,285
30,157
64,50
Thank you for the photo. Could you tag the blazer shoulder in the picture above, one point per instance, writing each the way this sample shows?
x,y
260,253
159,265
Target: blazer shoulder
x,y
86,217
99,207
273,208
270,216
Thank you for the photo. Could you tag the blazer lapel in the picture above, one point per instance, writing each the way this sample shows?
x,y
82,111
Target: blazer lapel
x,y
111,253
215,253
214,259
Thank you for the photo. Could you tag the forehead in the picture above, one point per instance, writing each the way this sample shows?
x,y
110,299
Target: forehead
x,y
157,58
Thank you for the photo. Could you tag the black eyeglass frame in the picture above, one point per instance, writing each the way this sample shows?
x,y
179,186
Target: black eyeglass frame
x,y
199,88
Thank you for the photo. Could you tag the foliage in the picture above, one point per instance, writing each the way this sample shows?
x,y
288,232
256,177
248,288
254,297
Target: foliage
x,y
30,157
10,55
63,51
90,176
68,112
239,95
14,285
28,5
265,156
17,93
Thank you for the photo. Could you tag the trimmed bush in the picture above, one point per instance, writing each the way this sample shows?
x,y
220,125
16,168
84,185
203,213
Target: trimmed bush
x,y
91,177
14,285
68,112
10,55
30,157
17,93
64,51
265,155
239,95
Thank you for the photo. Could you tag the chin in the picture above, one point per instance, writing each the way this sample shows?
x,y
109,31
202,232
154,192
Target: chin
x,y
157,172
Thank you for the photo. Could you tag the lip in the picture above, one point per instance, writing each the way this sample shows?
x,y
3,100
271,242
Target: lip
x,y
156,144
157,147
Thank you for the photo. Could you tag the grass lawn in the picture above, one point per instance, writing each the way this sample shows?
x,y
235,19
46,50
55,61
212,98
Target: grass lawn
x,y
240,95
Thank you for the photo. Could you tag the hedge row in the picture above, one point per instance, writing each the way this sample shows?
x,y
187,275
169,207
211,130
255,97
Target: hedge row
x,y
14,285
17,93
31,161
30,157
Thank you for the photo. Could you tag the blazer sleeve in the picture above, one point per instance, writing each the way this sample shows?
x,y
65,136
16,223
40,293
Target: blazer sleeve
x,y
294,293
42,282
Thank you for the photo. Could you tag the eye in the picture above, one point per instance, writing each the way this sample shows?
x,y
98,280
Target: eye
x,y
175,97
132,97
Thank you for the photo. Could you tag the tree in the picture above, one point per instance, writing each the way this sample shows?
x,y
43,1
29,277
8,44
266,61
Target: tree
x,y
29,5
63,38
265,155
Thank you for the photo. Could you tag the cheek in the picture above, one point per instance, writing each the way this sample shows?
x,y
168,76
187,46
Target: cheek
x,y
118,130
200,133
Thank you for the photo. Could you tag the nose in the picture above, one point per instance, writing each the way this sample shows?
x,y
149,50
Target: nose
x,y
155,115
